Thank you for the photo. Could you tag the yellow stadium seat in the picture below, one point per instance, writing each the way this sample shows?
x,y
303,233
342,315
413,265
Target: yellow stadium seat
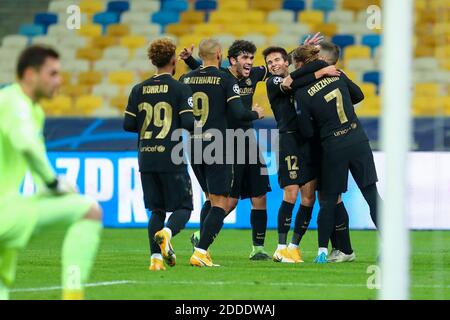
x,y
233,5
427,89
90,78
356,51
439,5
102,42
311,17
369,107
238,29
352,75
121,78
266,5
88,103
117,30
90,30
144,75
446,102
266,29
225,17
369,89
357,5
133,42
66,77
179,29
75,90
442,29
58,105
90,54
208,29
442,52
119,102
327,29
192,17
428,106
187,40
424,51
91,6
255,16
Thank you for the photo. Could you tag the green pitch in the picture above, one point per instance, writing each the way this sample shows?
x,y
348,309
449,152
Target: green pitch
x,y
121,270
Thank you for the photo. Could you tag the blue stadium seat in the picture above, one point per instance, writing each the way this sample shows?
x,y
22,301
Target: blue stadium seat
x,y
31,30
165,17
324,5
373,77
206,5
45,19
106,18
175,5
371,40
294,5
118,6
343,40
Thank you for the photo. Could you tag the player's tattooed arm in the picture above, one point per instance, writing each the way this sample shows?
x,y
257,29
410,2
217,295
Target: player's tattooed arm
x,y
355,91
186,56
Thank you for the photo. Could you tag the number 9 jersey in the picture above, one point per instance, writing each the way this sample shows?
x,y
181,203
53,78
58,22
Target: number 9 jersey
x,y
156,108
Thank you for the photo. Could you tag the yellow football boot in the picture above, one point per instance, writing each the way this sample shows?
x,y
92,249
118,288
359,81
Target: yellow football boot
x,y
156,265
162,238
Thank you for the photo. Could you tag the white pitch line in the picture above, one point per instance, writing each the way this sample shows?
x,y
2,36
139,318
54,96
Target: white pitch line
x,y
217,283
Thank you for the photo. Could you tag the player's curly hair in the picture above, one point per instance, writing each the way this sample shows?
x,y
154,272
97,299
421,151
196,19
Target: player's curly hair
x,y
161,51
240,46
306,53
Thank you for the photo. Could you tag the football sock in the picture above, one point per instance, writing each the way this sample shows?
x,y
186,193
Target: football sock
x,y
292,246
342,229
201,250
281,247
258,220
177,220
204,212
157,256
284,221
155,224
302,221
372,197
325,221
211,228
78,254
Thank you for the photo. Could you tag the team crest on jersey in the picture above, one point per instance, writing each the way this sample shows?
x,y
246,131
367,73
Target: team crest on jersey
x,y
248,82
277,80
236,89
190,102
293,175
186,80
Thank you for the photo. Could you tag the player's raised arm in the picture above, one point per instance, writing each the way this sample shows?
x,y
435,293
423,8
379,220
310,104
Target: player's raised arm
x,y
186,56
130,118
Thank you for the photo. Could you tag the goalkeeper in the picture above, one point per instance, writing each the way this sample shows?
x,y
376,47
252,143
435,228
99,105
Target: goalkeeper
x,y
57,203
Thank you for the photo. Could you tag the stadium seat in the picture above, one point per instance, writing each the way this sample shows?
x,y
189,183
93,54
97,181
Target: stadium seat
x,y
373,77
360,64
179,29
297,29
133,42
118,30
59,105
340,16
327,29
60,6
75,66
118,6
258,39
121,78
147,6
89,53
324,5
60,31
427,89
66,77
254,16
90,30
294,5
102,42
130,18
266,6
356,51
205,5
175,5
91,6
428,106
355,28
88,103
90,78
105,18
116,53
45,19
187,40
266,29
119,102
369,89
354,5
73,42
371,40
442,52
281,16
369,107
75,90
231,5
139,65
311,17
105,90
343,40
225,39
31,30
146,30
284,40
107,65
46,40
165,17
192,17
15,41
224,17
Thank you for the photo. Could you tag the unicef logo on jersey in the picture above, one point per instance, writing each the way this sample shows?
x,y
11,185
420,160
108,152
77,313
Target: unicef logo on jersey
x,y
190,102
236,89
277,80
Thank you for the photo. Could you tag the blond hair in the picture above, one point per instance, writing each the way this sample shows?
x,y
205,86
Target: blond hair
x,y
208,48
306,53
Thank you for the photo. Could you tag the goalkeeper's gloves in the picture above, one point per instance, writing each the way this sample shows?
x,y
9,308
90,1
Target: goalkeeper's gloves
x,y
60,185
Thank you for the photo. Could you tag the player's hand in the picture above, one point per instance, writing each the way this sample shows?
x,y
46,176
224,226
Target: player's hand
x,y
287,82
315,40
329,71
63,186
186,52
259,110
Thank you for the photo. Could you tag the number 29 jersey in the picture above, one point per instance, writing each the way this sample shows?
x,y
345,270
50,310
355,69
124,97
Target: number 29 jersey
x,y
157,104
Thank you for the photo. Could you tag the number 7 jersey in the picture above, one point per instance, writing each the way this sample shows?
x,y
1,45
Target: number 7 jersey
x,y
155,110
